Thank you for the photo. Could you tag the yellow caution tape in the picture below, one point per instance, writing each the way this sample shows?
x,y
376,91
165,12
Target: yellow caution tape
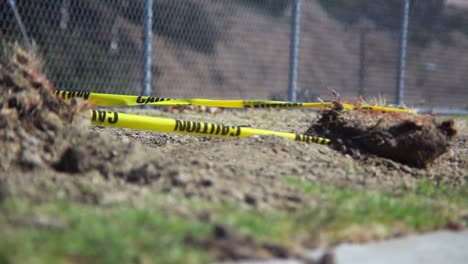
x,y
386,109
99,99
160,124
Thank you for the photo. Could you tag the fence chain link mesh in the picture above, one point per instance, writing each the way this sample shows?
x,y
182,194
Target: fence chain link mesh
x,y
240,48
353,47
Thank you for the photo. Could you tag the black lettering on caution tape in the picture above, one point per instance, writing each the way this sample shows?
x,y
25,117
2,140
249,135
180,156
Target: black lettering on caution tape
x,y
271,105
151,99
225,130
206,128
191,127
69,94
238,132
100,116
311,139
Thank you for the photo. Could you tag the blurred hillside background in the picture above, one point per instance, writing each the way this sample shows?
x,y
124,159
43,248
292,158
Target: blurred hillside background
x,y
232,49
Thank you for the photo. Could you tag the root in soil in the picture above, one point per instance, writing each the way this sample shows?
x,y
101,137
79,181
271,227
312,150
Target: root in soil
x,y
411,139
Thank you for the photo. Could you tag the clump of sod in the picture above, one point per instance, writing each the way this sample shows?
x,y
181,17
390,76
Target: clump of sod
x,y
409,138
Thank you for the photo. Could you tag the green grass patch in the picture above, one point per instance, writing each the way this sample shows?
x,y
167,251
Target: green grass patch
x,y
276,227
443,192
338,210
461,117
96,235
122,234
424,209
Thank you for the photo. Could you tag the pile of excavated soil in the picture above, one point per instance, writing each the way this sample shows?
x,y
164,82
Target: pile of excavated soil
x,y
32,120
44,135
408,138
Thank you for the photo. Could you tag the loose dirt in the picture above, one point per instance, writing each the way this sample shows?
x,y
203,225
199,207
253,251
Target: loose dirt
x,y
49,151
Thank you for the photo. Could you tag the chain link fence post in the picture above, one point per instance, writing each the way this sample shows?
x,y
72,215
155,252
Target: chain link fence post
x,y
362,60
400,80
147,42
294,50
20,24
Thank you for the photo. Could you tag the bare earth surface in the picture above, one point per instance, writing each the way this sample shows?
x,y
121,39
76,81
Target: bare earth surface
x,y
115,163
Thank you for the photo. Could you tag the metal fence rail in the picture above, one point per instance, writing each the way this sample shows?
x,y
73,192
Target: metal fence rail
x,y
405,51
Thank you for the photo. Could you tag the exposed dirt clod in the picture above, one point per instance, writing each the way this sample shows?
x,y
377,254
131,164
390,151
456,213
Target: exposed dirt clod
x,y
408,138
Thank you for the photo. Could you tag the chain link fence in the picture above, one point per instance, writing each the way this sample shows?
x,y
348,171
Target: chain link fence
x,y
241,48
86,45
354,47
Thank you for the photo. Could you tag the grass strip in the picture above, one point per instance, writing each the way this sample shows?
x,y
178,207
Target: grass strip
x,y
65,232
84,234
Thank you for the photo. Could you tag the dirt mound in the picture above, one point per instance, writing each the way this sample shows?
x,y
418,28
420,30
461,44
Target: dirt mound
x,y
41,132
408,138
32,119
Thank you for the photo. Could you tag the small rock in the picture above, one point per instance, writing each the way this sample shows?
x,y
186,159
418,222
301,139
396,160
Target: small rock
x,y
145,172
31,159
250,199
179,178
